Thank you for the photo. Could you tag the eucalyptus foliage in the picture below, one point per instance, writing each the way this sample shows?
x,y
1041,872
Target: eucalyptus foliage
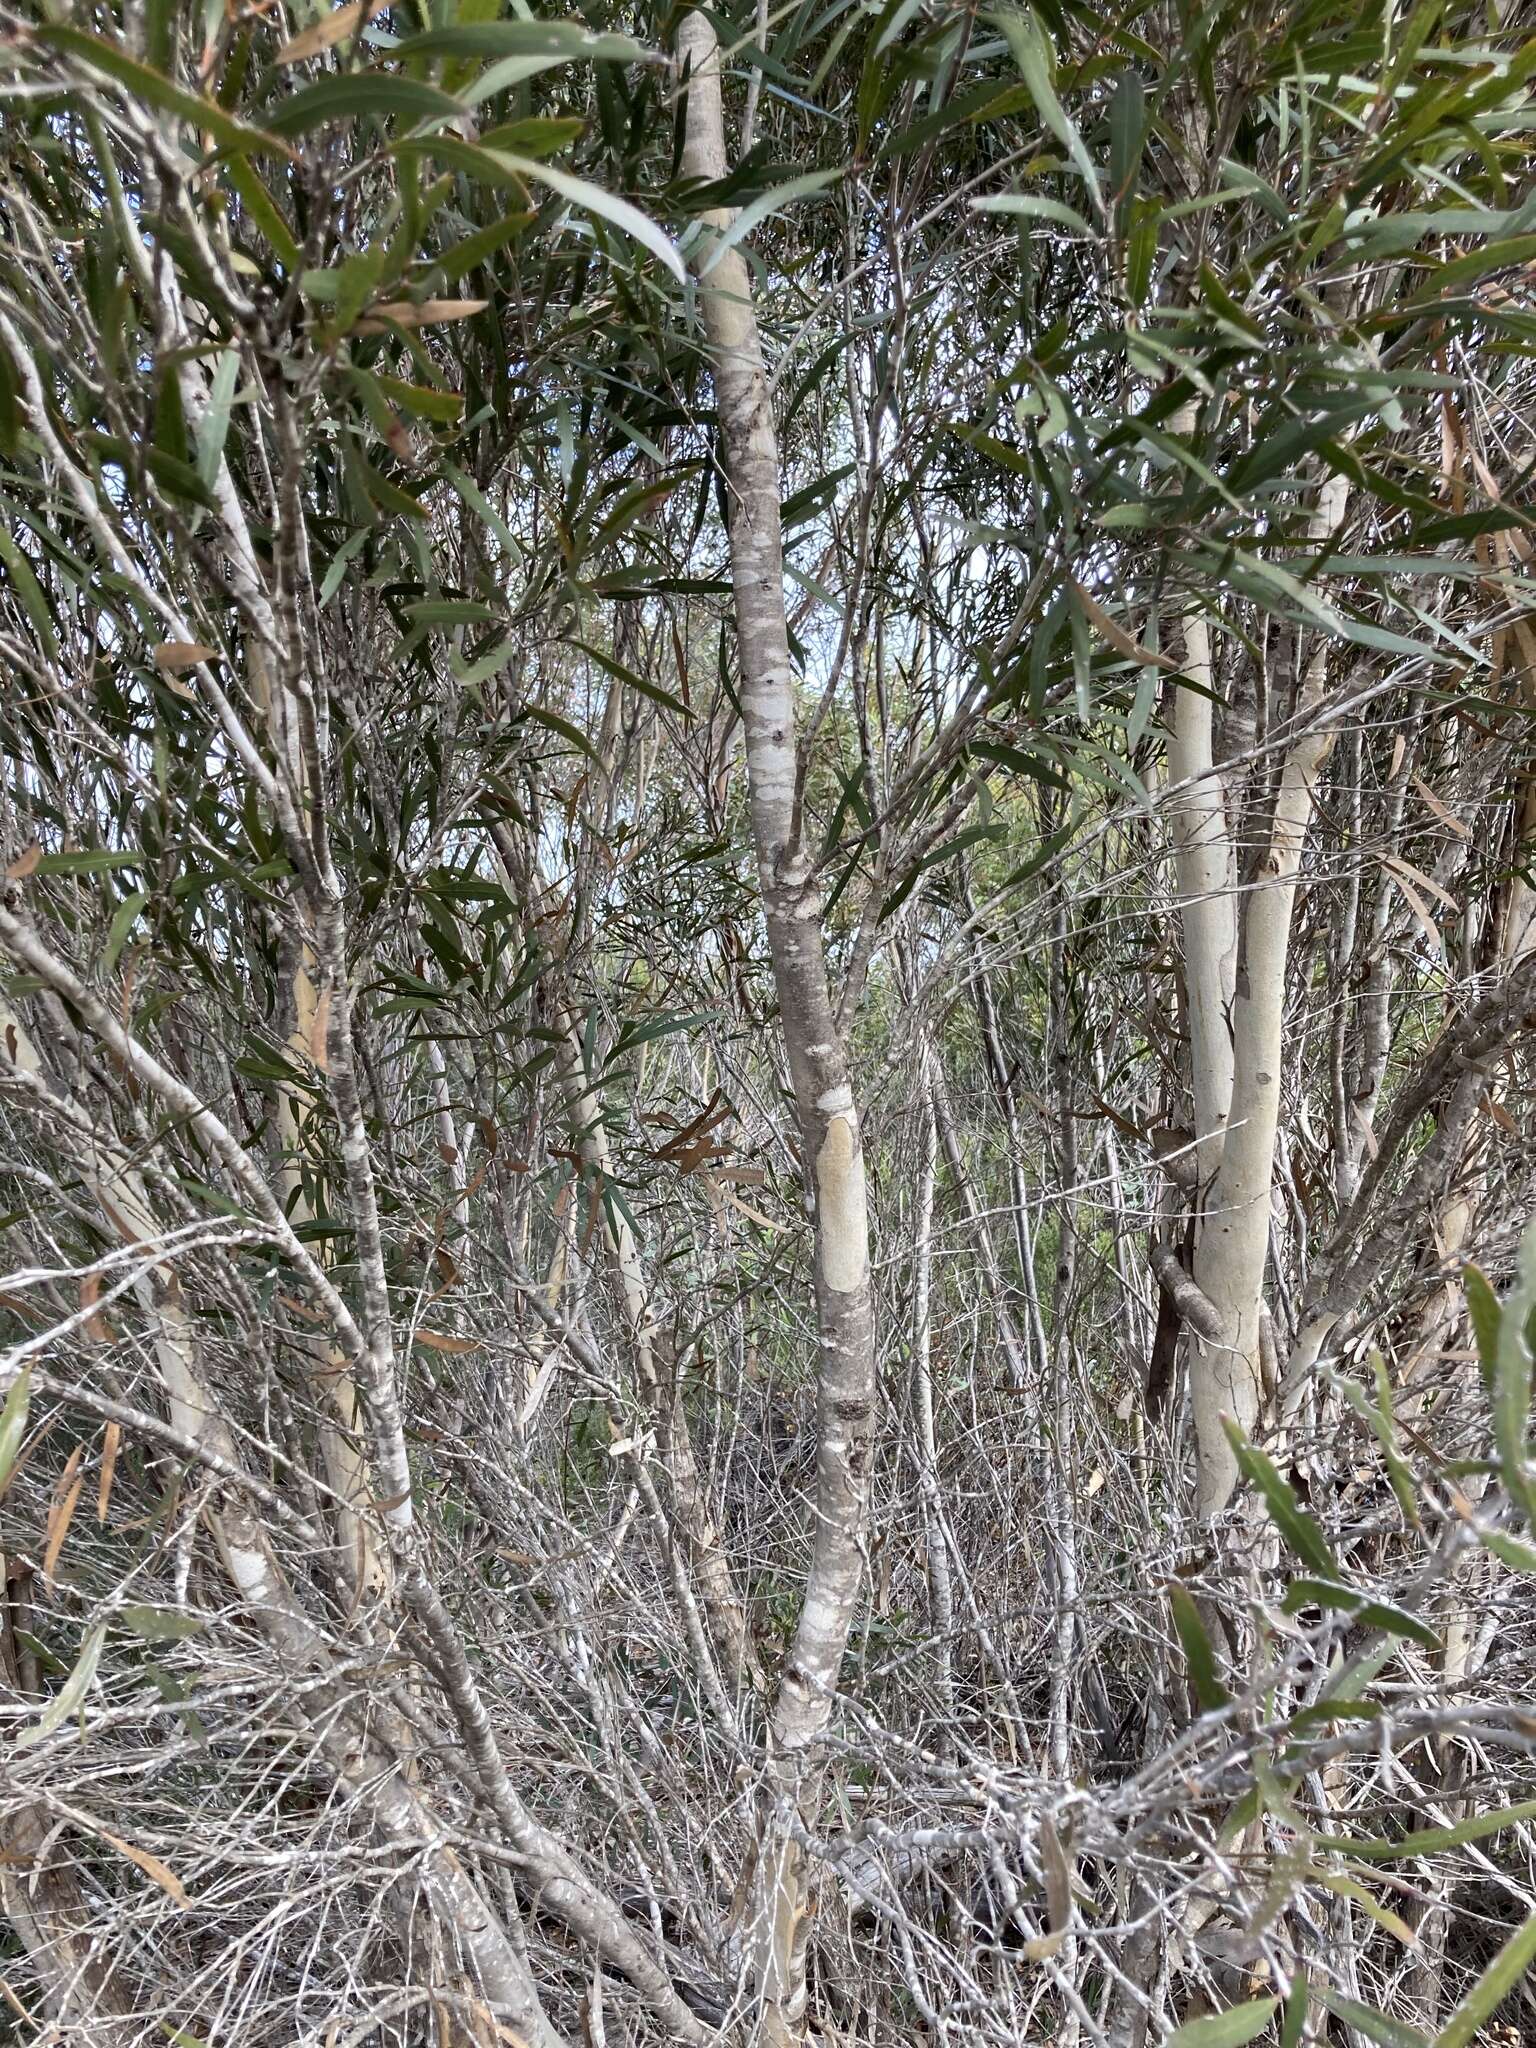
x,y
414,1445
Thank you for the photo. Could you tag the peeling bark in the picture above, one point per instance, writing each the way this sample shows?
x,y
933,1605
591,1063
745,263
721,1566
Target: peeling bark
x,y
818,1062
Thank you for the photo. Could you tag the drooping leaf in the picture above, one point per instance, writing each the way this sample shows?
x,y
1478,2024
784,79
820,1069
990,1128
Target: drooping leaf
x,y
1371,2025
348,95
1229,2029
152,89
1512,1381
1306,1592
1198,1652
1502,1977
1301,1530
69,1696
1429,1841
13,1421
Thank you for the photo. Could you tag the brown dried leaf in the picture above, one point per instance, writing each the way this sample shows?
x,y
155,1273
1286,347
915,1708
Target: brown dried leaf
x,y
24,863
326,33
402,313
111,1444
97,1328
747,1210
1446,817
436,1340
300,1309
175,655
1420,910
1501,1116
1111,630
151,1866
66,1498
1402,867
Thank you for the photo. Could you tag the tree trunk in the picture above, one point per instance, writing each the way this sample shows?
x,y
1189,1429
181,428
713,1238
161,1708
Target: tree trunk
x,y
1235,1036
818,1065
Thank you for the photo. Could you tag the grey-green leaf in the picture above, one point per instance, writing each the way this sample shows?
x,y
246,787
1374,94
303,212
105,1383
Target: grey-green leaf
x,y
1229,2029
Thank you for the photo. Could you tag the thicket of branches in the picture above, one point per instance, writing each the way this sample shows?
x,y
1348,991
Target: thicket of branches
x,y
767,944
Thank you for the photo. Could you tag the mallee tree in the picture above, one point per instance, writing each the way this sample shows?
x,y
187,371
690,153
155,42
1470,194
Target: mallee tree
x,y
767,949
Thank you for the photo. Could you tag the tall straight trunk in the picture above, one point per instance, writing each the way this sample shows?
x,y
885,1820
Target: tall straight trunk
x,y
1059,1489
818,1064
1235,1034
1203,864
341,1424
941,1591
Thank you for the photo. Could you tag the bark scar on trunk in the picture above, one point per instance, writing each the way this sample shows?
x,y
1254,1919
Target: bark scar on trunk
x,y
840,1184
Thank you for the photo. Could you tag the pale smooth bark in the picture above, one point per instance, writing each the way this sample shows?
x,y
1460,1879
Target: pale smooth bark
x,y
941,1591
818,1065
1236,1046
1203,865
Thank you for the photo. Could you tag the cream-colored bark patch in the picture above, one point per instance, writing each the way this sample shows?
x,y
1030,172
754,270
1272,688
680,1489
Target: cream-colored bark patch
x,y
840,1183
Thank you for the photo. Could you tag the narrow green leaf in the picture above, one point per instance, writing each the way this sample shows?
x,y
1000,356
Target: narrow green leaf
x,y
29,591
1509,1549
635,681
498,167
561,41
344,95
1512,1381
424,400
258,203
155,90
1030,43
1033,206
1294,2016
1485,1316
1427,1841
10,406
213,428
1198,1652
1229,2029
159,1624
1360,1607
1346,1887
1127,132
1300,1530
122,924
453,611
473,673
1374,2026
1501,1977
13,1421
538,135
482,507
608,206
562,727
336,569
1448,280
86,863
70,1694
178,479
761,208
462,257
